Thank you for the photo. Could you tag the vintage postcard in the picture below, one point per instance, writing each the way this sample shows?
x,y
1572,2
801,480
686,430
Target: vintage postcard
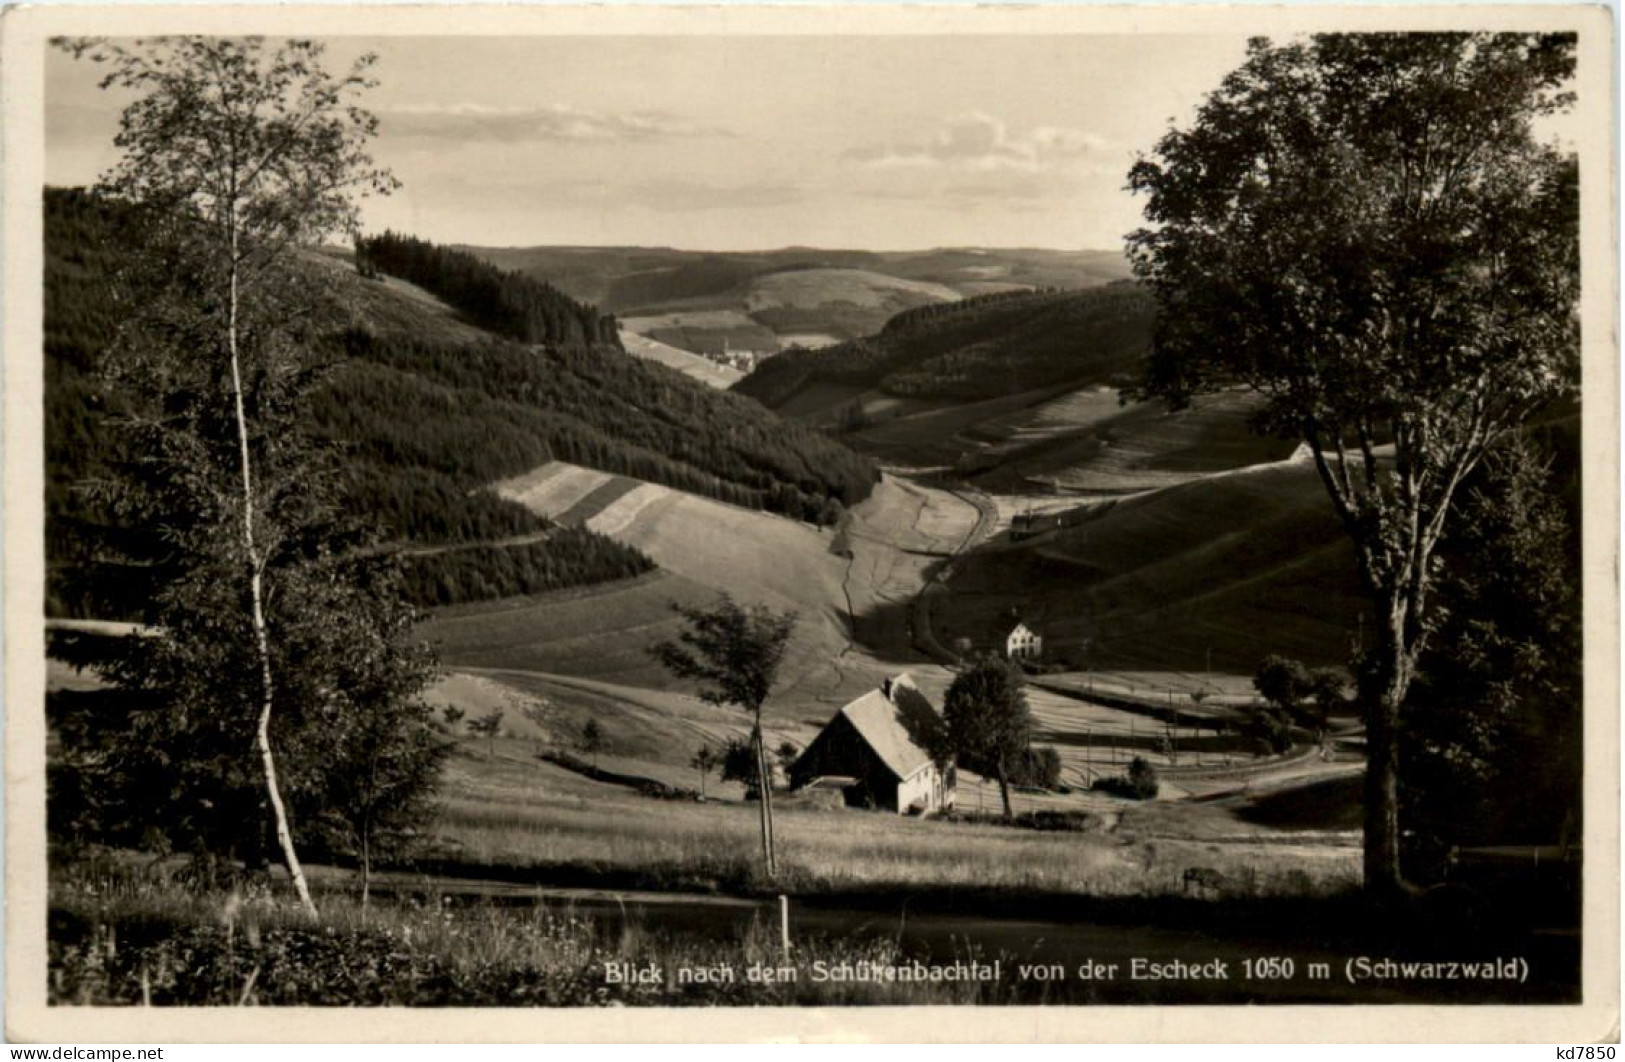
x,y
830,523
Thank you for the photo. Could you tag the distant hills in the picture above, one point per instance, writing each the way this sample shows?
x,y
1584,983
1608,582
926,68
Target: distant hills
x,y
987,347
1175,538
709,302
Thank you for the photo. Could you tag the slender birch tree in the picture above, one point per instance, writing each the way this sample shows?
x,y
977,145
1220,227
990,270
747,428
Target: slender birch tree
x,y
235,155
734,653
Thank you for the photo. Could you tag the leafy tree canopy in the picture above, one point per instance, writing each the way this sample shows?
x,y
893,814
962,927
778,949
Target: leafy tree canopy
x,y
732,651
1367,230
987,722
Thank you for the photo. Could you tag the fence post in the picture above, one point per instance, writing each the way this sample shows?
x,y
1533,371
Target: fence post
x,y
784,923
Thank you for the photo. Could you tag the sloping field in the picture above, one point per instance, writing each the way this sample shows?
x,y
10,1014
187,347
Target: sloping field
x,y
1070,439
1031,428
805,289
703,329
828,304
555,488
1242,565
601,632
756,555
853,610
1081,443
652,734
819,399
391,304
926,433
694,366
833,406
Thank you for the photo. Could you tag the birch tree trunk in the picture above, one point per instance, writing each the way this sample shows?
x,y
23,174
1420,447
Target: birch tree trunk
x,y
262,643
764,783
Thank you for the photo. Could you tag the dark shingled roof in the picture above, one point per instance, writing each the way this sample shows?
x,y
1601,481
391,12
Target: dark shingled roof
x,y
896,726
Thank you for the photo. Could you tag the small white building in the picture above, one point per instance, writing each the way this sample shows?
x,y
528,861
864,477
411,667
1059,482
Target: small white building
x,y
1017,641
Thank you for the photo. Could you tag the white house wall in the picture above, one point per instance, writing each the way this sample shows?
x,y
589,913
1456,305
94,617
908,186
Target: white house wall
x,y
923,787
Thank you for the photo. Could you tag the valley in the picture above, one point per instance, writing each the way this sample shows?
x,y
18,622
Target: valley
x,y
1106,524
1125,593
743,306
464,585
904,494
1011,477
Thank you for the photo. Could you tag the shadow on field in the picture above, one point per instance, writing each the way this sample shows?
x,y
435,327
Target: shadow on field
x,y
1334,804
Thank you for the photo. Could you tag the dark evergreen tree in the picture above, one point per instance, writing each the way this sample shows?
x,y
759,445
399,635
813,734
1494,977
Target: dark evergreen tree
x,y
510,304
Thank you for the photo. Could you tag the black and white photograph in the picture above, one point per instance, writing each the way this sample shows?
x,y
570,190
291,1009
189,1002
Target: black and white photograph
x,y
862,512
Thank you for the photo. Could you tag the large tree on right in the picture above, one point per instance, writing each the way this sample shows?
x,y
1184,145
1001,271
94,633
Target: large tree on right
x,y
1370,231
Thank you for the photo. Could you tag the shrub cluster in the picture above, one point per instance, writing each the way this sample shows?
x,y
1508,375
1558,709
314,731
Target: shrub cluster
x,y
1139,784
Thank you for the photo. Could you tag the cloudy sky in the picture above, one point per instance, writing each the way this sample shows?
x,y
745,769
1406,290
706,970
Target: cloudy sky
x,y
733,143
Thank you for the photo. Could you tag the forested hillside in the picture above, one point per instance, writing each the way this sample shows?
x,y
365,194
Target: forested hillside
x,y
486,411
510,304
423,418
981,348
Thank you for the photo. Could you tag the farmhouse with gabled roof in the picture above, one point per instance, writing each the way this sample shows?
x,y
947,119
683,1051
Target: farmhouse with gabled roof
x,y
875,751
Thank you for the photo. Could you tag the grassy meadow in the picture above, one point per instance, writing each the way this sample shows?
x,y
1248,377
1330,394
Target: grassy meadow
x,y
694,366
539,821
123,937
126,930
853,627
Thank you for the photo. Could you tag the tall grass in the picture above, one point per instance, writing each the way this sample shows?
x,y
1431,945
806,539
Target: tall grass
x,y
121,938
663,844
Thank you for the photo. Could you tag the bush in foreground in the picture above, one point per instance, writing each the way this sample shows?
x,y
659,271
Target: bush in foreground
x,y
1139,784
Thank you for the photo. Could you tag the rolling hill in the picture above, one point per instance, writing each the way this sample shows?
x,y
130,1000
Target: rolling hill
x,y
766,301
1236,565
426,410
622,279
995,347
510,304
809,307
852,602
1017,394
1087,441
1182,532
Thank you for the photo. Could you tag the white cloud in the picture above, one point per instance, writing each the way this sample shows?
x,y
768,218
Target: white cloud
x,y
659,195
981,142
474,122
